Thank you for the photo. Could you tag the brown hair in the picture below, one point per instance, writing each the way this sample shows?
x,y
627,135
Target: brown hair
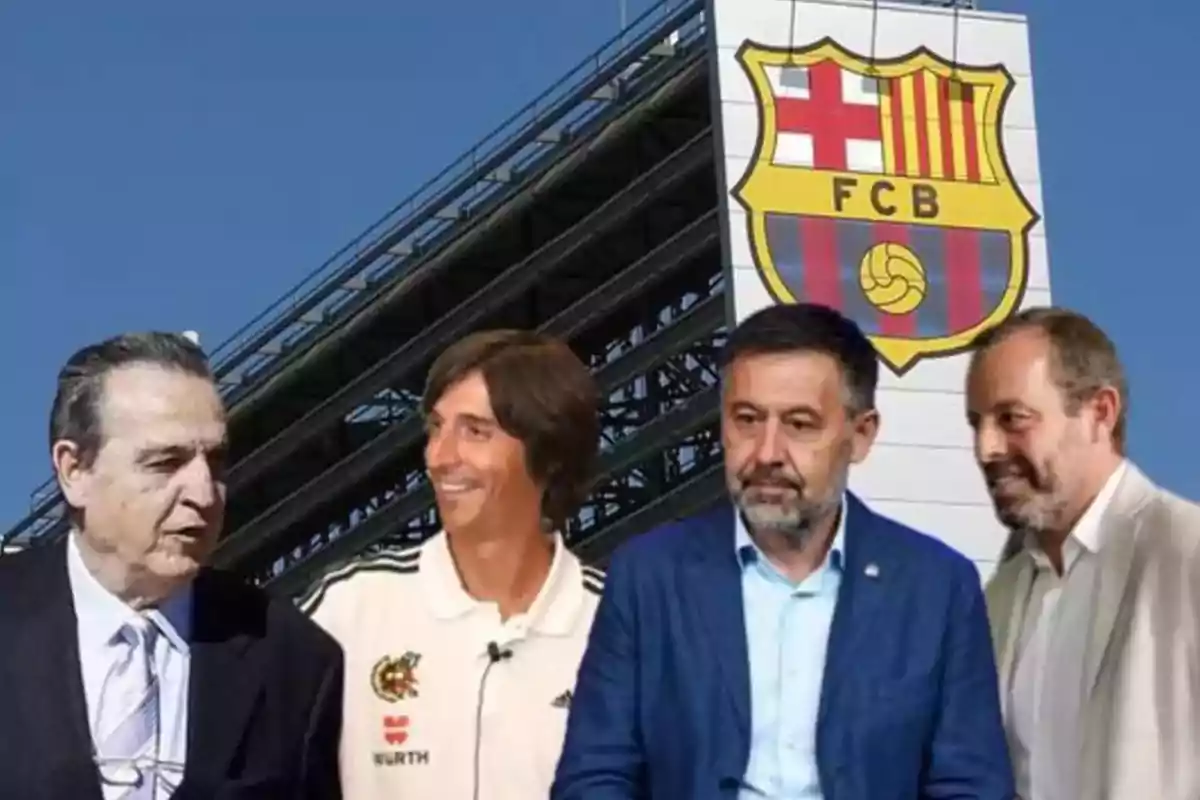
x,y
1084,359
542,395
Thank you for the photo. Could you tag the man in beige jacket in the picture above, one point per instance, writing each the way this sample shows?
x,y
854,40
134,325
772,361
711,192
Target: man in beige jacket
x,y
1095,609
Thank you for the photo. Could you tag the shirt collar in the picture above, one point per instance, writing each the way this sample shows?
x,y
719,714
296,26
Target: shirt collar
x,y
553,611
748,552
1088,534
101,614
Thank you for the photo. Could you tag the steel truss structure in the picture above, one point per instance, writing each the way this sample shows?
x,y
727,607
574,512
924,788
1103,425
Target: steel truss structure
x,y
591,215
601,171
439,216
613,247
659,435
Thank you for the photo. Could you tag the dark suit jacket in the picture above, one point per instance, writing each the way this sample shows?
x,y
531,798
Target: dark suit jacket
x,y
264,704
909,706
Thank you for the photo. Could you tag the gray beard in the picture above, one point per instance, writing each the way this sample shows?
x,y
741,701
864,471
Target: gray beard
x,y
1036,518
793,526
793,523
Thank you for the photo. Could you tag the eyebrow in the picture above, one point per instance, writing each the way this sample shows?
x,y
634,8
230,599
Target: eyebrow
x,y
154,450
1002,407
467,416
745,405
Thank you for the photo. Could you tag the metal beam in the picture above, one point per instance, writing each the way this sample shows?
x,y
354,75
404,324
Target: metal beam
x,y
698,494
515,280
505,194
481,167
267,529
242,363
667,428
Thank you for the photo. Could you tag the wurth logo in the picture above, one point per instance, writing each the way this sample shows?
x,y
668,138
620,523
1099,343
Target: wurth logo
x,y
395,729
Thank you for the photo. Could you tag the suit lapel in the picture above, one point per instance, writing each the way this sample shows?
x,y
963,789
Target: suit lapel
x,y
713,591
1122,528
225,682
861,605
1006,595
46,680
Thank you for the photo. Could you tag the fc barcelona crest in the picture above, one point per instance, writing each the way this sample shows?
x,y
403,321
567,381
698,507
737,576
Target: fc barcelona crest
x,y
880,187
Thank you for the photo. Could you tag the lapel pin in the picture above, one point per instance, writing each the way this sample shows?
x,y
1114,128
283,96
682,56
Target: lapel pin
x,y
871,570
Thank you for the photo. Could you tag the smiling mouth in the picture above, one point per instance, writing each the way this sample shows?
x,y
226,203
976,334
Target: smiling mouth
x,y
453,488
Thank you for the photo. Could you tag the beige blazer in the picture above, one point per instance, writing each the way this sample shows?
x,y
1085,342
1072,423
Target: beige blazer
x,y
1140,698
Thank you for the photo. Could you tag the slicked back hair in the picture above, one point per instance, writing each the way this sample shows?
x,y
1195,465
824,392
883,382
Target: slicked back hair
x,y
76,413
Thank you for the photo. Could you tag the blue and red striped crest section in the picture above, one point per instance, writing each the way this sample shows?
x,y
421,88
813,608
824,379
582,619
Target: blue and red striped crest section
x,y
881,188
817,258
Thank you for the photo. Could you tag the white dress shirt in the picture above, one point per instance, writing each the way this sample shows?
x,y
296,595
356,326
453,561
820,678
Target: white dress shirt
x,y
1043,723
100,615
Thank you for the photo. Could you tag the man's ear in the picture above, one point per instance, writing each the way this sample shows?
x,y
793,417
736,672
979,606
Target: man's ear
x,y
1106,408
73,477
866,428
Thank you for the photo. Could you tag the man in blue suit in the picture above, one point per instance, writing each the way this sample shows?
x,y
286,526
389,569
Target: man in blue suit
x,y
794,645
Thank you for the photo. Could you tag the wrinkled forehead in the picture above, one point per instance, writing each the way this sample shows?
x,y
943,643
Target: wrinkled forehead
x,y
149,406
1017,369
785,380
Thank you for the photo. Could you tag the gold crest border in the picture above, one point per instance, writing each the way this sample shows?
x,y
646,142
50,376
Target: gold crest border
x,y
769,187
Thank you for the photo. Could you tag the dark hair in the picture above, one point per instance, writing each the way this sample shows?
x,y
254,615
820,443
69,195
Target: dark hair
x,y
811,328
542,395
1083,359
76,414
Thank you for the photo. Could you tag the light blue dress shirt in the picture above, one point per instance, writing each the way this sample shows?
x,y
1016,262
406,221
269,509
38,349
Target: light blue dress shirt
x,y
787,633
100,615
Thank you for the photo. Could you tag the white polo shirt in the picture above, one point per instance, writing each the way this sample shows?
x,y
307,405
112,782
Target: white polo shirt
x,y
416,648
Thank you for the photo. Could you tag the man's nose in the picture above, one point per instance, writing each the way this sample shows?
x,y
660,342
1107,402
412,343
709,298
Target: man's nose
x,y
200,484
768,448
991,444
441,450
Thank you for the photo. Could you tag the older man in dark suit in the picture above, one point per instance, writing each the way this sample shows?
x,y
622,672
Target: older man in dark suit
x,y
130,670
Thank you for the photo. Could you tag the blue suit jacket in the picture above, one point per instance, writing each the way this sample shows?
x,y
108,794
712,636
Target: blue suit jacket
x,y
909,708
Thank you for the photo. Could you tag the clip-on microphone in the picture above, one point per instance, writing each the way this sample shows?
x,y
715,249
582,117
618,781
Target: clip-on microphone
x,y
495,655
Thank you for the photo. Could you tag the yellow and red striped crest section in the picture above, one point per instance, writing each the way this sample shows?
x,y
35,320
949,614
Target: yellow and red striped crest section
x,y
933,127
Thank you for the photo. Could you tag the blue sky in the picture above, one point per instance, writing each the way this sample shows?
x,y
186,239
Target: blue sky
x,y
172,165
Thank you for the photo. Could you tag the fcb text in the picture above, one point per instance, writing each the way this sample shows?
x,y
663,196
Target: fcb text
x,y
883,196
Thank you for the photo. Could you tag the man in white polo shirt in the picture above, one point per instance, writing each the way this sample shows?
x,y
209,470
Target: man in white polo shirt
x,y
462,652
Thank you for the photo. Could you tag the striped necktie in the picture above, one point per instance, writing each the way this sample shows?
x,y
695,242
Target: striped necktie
x,y
128,718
